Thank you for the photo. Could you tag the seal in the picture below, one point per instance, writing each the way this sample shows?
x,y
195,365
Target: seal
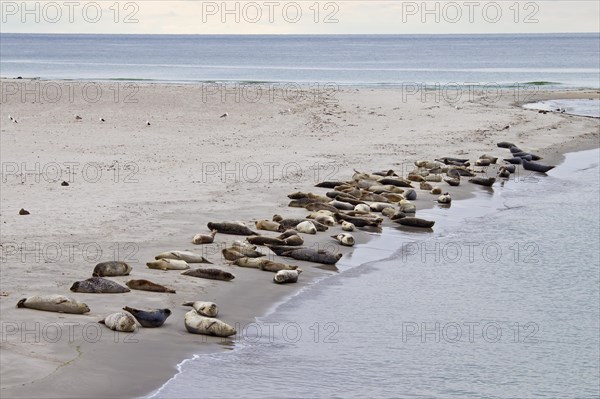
x,y
514,161
329,184
426,186
407,207
347,226
270,266
483,162
393,213
287,233
204,238
358,221
267,225
54,303
308,254
208,309
187,256
345,206
444,199
483,181
345,239
416,222
318,206
362,208
395,181
306,227
505,144
145,285
410,195
246,251
111,269
198,324
527,155
98,285
149,318
492,159
236,228
262,240
168,264
231,254
453,181
291,223
327,220
536,167
286,276
248,262
436,191
294,240
211,274
119,321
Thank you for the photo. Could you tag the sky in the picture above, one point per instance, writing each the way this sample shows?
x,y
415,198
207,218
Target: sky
x,y
299,17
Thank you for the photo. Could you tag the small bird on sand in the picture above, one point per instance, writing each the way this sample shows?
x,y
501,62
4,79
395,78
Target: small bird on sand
x,y
147,123
102,120
10,117
226,114
78,118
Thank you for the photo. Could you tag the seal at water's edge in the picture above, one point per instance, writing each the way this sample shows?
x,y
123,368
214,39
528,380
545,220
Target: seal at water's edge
x,y
286,276
536,167
208,309
98,285
120,321
54,303
416,222
211,274
149,318
236,228
111,269
145,285
198,324
483,181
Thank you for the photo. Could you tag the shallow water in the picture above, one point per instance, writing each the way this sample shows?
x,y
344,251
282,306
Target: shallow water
x,y
589,107
500,301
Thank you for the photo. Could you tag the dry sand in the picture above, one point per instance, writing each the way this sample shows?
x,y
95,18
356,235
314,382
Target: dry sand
x,y
137,190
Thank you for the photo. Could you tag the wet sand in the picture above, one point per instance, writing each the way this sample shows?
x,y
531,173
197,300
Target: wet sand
x,y
160,184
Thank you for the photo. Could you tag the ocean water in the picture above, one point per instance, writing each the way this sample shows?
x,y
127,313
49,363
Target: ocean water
x,y
500,301
557,60
581,107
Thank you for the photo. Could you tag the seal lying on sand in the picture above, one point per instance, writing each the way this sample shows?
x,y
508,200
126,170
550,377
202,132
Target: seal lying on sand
x,y
237,228
145,285
344,239
54,303
149,318
307,254
204,238
110,269
98,285
119,321
262,240
187,256
211,274
208,309
483,181
168,264
286,276
198,324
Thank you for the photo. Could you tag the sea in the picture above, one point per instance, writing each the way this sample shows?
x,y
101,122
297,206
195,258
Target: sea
x,y
555,60
501,300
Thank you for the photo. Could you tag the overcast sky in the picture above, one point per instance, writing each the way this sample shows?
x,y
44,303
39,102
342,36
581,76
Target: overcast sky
x,y
299,17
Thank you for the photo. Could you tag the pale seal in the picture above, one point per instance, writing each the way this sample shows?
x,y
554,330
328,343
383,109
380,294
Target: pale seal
x,y
347,226
145,285
119,321
198,324
111,269
344,239
168,264
306,227
98,285
204,238
54,303
444,199
208,309
149,318
267,225
286,276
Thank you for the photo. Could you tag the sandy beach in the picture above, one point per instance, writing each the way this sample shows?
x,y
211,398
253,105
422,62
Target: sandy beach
x,y
136,190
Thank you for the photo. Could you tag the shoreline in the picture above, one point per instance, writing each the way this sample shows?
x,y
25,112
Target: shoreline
x,y
171,228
